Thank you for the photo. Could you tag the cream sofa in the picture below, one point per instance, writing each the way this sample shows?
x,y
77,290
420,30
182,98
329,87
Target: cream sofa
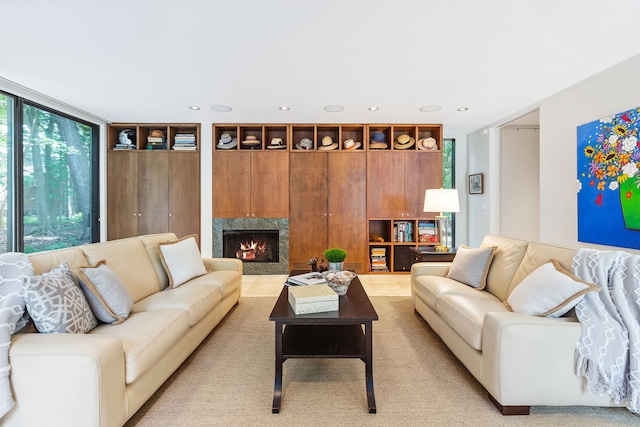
x,y
102,378
520,360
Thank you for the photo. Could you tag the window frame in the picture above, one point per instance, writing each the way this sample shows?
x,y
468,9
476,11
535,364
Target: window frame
x,y
15,175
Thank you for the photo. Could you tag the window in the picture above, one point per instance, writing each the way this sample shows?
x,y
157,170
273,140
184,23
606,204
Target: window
x,y
449,181
48,178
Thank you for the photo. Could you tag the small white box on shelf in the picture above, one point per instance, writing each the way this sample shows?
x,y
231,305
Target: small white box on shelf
x,y
312,299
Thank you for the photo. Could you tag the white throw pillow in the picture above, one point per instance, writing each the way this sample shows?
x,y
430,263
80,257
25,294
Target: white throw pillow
x,y
471,266
182,260
548,291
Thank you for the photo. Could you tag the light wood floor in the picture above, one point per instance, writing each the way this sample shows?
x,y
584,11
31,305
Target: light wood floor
x,y
374,285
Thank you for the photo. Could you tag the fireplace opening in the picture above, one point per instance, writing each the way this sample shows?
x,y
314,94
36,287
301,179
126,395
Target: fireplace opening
x,y
251,245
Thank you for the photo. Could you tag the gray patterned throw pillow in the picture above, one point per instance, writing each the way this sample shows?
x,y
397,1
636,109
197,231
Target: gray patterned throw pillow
x,y
56,304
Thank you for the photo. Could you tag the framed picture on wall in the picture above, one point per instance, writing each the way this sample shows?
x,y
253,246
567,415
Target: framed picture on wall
x,y
476,185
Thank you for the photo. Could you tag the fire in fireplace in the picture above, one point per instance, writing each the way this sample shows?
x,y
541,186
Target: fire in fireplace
x,y
251,245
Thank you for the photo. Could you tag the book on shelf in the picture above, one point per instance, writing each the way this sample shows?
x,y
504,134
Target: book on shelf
x,y
311,278
379,259
124,147
403,231
427,232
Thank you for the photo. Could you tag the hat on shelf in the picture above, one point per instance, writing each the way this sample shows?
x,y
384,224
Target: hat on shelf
x,y
251,141
328,144
377,141
427,144
349,144
227,142
305,144
156,133
276,143
403,142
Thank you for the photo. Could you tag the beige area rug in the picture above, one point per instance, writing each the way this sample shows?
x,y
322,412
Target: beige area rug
x,y
228,381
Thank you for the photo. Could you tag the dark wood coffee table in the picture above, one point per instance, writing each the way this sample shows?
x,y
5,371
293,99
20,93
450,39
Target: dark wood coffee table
x,y
333,334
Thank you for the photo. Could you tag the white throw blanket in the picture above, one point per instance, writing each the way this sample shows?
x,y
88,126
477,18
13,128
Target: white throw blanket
x,y
608,353
14,267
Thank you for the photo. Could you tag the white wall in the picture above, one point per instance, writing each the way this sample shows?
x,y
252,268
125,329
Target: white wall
x,y
611,91
478,205
520,184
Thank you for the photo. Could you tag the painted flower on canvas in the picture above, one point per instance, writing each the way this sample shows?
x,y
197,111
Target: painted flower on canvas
x,y
609,180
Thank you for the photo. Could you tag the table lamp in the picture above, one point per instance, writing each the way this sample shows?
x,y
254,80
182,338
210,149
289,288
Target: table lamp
x,y
441,200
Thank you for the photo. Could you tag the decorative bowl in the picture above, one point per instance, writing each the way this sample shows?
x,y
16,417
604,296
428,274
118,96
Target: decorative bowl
x,y
339,280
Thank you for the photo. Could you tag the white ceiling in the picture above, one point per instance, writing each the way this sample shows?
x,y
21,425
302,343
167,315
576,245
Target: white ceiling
x,y
147,61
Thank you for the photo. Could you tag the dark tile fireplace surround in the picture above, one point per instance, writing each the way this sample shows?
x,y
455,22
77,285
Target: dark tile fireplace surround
x,y
241,232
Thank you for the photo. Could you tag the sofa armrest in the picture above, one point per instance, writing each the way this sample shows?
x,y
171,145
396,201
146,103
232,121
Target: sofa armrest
x,y
529,360
430,268
67,380
215,264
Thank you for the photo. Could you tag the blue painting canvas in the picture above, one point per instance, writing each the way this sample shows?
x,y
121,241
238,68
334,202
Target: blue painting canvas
x,y
609,180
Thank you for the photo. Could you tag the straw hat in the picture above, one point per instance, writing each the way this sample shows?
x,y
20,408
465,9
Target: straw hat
x,y
328,144
276,143
349,144
404,142
427,144
226,142
377,141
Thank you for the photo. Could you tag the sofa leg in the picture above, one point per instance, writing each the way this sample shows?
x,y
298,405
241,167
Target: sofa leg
x,y
510,410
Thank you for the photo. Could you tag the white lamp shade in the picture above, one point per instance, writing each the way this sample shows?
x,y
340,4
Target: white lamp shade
x,y
441,200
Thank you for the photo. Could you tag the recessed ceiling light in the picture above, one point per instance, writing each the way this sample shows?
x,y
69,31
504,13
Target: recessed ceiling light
x,y
333,108
194,107
373,108
221,108
430,108
283,108
463,108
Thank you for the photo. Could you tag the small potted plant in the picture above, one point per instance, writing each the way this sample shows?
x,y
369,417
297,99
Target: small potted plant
x,y
335,257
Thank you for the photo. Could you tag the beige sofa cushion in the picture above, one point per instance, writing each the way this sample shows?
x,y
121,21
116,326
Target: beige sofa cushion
x,y
198,301
151,244
43,262
146,337
430,288
227,281
506,260
538,254
465,314
129,259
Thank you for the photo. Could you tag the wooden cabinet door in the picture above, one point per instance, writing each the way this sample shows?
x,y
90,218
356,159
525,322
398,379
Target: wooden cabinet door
x,y
269,184
422,171
385,184
122,194
184,193
231,184
347,196
153,192
308,207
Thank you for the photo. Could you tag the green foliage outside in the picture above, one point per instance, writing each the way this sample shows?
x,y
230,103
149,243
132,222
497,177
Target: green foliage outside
x,y
56,175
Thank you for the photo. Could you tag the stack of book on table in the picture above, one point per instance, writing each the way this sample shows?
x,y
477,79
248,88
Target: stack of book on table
x,y
379,259
311,278
185,141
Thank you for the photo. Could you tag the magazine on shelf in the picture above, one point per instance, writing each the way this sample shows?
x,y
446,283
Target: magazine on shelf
x,y
311,278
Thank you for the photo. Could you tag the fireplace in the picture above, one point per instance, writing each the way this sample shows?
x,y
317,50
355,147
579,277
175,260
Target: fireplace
x,y
251,245
274,231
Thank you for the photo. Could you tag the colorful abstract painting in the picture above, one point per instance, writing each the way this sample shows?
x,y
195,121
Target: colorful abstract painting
x,y
609,180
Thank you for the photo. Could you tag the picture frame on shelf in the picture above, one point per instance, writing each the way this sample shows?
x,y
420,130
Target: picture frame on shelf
x,y
476,183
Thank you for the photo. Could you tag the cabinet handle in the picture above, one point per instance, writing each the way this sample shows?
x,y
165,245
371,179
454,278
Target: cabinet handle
x,y
325,214
170,214
330,214
253,214
247,215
